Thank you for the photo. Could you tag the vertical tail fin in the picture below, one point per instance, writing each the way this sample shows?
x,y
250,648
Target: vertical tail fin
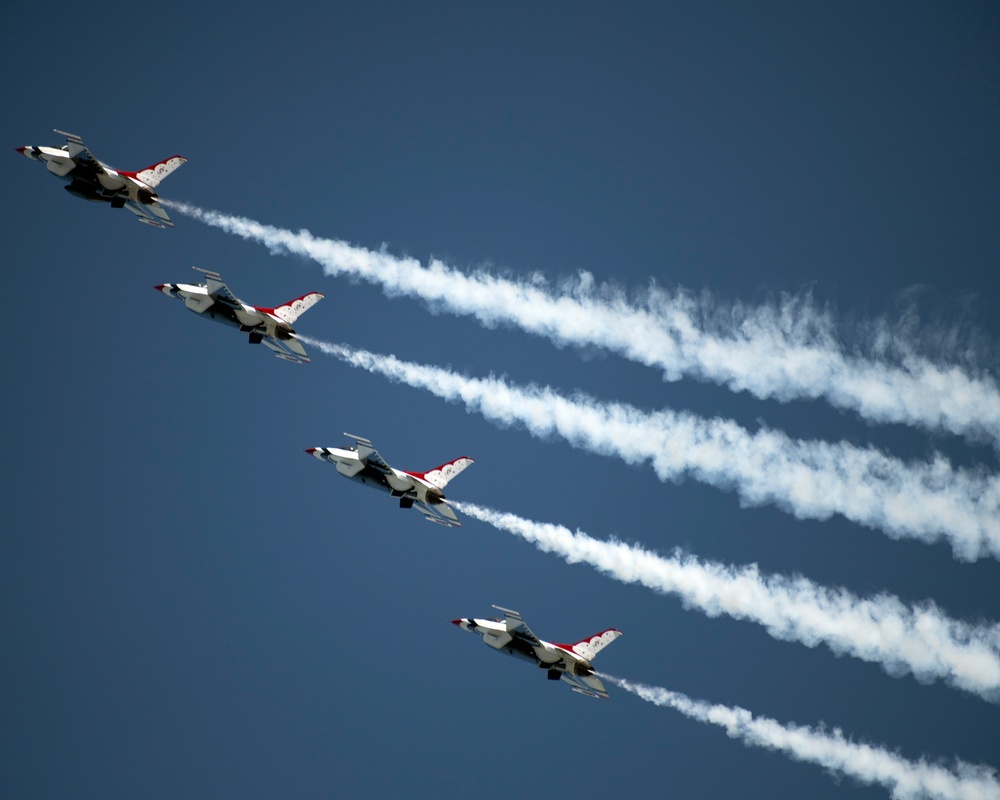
x,y
592,645
439,476
154,173
293,309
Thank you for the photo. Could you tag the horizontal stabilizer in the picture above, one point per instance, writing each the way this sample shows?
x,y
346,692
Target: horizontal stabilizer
x,y
150,213
287,349
440,513
589,685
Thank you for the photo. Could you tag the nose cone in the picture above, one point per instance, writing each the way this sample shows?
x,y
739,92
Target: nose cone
x,y
312,451
25,151
462,623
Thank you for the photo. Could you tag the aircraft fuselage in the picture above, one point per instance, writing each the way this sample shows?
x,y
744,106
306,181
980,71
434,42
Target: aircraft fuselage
x,y
245,318
421,490
397,483
87,181
544,654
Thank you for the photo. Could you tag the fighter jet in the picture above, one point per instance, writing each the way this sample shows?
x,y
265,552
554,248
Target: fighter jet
x,y
568,662
272,326
94,180
361,462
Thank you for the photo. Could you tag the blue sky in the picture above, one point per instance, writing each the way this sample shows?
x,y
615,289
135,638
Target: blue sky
x,y
192,606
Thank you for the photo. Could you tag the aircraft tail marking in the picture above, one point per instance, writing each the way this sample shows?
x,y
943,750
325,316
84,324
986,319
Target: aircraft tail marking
x,y
439,476
592,645
293,309
154,173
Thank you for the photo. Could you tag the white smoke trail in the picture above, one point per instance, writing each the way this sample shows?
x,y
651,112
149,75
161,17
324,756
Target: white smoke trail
x,y
869,764
783,351
881,629
920,500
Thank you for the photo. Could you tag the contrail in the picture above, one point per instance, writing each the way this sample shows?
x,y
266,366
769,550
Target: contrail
x,y
782,351
810,479
921,640
869,764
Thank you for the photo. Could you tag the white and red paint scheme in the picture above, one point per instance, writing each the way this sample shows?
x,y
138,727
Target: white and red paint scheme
x,y
361,462
270,326
568,662
94,180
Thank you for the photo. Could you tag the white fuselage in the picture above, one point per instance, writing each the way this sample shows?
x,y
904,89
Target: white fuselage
x,y
244,317
544,654
104,184
397,482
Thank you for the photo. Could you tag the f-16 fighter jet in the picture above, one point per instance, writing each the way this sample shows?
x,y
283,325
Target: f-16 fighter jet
x,y
272,326
94,180
569,662
422,490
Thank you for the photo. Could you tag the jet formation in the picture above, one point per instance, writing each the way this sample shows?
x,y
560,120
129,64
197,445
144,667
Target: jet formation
x,y
90,179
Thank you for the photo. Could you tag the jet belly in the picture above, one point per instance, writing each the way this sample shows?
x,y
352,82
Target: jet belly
x,y
198,300
496,636
350,465
521,651
111,180
366,476
545,656
224,314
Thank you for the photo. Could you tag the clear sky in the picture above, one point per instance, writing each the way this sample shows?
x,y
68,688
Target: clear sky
x,y
192,607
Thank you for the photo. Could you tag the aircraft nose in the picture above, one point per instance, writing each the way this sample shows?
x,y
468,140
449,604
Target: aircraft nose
x,y
25,151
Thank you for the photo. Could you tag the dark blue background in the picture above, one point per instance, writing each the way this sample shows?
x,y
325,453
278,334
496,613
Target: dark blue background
x,y
192,607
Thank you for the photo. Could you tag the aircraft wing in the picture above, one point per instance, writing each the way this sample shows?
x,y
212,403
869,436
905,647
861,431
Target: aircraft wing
x,y
150,214
517,627
288,349
368,454
80,154
218,290
589,685
440,513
